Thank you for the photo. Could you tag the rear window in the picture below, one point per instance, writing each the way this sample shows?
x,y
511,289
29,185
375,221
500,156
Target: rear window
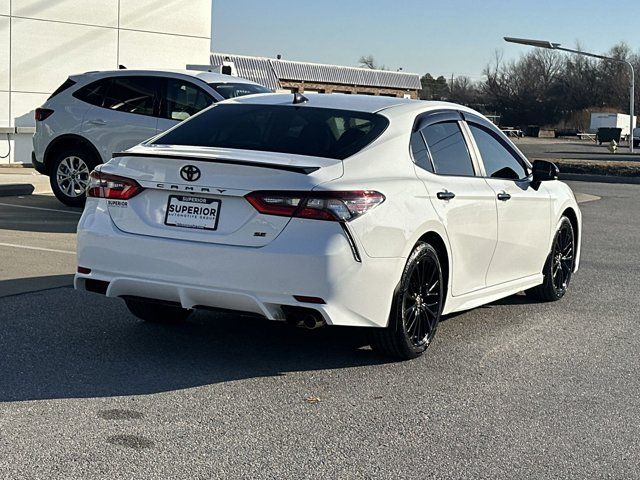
x,y
65,85
233,90
298,130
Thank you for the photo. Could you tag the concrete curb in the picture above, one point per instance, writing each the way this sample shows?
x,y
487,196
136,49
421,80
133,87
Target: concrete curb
x,y
15,189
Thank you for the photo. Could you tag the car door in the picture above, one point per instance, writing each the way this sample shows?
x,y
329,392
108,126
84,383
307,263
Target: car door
x,y
524,210
180,99
463,200
125,116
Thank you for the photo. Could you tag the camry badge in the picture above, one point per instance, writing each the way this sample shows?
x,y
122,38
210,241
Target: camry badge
x,y
190,173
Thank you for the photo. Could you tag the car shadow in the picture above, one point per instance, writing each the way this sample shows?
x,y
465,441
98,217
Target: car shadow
x,y
65,344
37,213
21,286
517,299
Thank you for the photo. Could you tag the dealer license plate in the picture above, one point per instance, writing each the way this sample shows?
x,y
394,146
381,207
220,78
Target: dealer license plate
x,y
192,212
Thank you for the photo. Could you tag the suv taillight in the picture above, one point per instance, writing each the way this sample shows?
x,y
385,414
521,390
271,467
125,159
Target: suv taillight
x,y
104,185
43,114
322,205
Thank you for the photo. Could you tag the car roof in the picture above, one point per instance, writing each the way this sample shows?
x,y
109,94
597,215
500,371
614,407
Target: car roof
x,y
208,77
345,101
342,101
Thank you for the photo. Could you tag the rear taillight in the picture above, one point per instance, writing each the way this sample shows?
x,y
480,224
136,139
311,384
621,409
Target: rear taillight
x,y
43,114
332,206
104,185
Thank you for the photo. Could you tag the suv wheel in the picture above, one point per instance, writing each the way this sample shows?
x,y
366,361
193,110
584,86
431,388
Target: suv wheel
x,y
70,175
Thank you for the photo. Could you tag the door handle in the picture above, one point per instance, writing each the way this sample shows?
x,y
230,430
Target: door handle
x,y
97,121
504,196
446,195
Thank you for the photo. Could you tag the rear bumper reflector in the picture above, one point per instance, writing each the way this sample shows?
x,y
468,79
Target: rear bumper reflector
x,y
305,299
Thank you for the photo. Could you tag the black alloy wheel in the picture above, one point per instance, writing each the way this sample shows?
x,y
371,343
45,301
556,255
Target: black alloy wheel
x,y
559,266
416,309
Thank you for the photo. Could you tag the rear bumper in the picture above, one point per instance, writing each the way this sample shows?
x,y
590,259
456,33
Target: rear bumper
x,y
309,258
38,166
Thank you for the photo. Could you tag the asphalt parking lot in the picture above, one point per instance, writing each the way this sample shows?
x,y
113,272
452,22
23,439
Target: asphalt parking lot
x,y
511,390
566,147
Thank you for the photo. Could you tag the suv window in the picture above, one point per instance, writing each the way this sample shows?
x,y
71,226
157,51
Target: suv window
x,y
132,95
68,83
94,92
233,90
184,99
498,161
321,132
448,149
419,152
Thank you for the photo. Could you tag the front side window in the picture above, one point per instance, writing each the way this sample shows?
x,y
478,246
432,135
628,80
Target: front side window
x,y
498,161
233,90
320,132
184,99
448,149
132,95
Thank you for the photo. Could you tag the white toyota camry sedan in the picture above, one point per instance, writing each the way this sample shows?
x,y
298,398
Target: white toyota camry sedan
x,y
333,210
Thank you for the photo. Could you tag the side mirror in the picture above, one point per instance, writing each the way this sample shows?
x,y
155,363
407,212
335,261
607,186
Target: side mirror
x,y
543,170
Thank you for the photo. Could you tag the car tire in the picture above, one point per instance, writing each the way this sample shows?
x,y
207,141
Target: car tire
x,y
416,309
154,312
558,267
69,174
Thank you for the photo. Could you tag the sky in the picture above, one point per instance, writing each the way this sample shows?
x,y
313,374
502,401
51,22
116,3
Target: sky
x,y
446,37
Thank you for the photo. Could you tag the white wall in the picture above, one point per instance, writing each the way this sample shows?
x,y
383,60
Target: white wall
x,y
43,42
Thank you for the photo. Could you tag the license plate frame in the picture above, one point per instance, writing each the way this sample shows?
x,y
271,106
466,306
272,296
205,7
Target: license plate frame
x,y
200,223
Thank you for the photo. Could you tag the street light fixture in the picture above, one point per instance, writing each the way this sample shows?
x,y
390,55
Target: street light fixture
x,y
557,46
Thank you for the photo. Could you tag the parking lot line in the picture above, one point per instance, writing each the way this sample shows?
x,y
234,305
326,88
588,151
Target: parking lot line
x,y
26,247
40,208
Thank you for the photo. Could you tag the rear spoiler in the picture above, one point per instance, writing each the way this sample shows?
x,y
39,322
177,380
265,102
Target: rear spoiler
x,y
247,163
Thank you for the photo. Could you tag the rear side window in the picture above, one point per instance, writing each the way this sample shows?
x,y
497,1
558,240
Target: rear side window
x,y
298,130
132,95
94,92
448,149
233,90
419,152
183,99
65,85
498,161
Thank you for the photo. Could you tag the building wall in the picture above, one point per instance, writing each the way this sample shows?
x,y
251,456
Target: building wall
x,y
43,42
301,87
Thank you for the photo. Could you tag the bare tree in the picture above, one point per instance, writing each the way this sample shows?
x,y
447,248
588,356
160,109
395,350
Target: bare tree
x,y
464,91
367,61
544,87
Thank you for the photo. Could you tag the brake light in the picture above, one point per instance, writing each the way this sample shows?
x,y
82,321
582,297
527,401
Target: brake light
x,y
333,206
104,185
43,114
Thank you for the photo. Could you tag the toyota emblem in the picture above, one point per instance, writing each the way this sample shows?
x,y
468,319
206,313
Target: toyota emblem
x,y
190,173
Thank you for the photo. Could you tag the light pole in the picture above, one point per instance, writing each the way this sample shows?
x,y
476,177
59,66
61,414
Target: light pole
x,y
556,46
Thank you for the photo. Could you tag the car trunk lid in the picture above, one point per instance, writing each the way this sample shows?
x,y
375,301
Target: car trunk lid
x,y
198,193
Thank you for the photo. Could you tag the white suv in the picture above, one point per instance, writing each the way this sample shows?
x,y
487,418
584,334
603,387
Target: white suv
x,y
95,114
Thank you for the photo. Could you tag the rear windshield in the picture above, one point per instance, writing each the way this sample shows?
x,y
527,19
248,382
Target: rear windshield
x,y
233,90
299,130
